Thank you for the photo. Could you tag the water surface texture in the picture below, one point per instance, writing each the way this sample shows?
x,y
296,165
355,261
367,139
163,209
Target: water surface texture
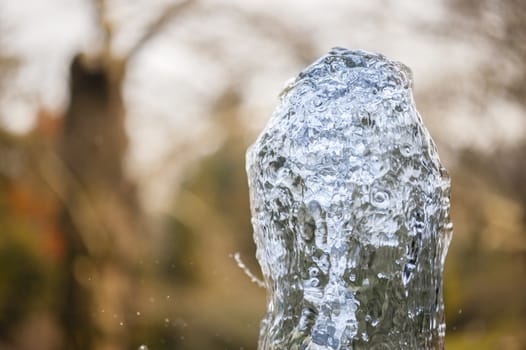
x,y
350,209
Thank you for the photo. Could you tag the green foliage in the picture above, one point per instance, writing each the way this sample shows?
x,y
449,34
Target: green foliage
x,y
23,280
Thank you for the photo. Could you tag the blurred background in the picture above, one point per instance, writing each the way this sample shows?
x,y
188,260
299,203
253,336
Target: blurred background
x,y
123,127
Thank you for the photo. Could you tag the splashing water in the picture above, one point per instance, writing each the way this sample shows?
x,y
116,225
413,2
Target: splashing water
x,y
350,209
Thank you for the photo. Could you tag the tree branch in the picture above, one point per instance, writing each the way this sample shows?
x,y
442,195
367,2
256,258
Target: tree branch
x,y
155,27
105,26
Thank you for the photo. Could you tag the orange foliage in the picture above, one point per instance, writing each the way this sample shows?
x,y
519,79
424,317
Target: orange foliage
x,y
38,210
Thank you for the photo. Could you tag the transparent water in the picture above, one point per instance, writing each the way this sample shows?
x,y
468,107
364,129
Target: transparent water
x,y
350,209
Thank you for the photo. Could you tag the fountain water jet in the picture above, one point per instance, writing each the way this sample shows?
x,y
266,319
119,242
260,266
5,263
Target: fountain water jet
x,y
350,209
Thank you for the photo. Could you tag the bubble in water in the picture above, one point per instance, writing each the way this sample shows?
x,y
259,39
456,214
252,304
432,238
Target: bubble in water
x,y
143,347
380,199
314,272
350,208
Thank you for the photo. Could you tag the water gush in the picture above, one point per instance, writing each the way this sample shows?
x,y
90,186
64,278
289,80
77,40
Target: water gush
x,y
350,209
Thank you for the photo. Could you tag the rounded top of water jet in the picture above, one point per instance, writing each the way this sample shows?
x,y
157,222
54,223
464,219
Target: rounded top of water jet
x,y
341,64
348,118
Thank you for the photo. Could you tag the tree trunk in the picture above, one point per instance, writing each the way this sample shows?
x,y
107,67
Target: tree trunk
x,y
101,217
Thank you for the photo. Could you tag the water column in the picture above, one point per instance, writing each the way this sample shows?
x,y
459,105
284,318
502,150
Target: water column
x,y
350,210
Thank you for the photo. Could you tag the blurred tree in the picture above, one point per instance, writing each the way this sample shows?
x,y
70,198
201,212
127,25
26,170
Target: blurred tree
x,y
488,255
500,25
101,217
